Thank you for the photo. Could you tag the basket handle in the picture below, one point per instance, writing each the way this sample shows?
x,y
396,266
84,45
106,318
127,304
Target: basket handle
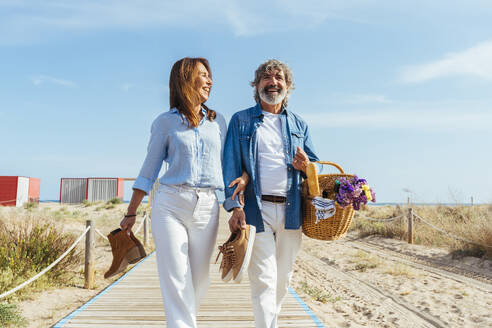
x,y
332,164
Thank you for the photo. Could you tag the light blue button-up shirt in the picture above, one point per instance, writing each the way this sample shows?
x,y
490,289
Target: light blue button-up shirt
x,y
194,155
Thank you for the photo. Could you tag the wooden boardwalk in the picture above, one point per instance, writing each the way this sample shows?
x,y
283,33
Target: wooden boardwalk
x,y
135,301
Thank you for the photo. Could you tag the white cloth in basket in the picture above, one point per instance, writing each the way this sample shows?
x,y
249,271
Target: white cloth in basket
x,y
325,208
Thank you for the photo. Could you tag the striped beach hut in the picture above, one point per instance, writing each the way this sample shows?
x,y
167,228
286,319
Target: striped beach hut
x,y
76,190
18,190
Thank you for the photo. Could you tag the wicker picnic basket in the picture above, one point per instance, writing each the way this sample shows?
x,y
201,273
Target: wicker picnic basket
x,y
332,228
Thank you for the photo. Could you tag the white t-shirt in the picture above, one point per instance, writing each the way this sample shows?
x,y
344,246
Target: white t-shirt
x,y
271,156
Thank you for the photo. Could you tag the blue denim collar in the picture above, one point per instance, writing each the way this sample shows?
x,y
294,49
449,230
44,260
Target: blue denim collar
x,y
257,111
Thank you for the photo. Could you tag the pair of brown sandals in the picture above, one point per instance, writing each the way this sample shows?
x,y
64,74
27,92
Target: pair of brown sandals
x,y
126,249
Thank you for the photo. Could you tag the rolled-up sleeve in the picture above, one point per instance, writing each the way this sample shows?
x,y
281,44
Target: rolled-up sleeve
x,y
232,164
156,154
308,148
223,133
308,145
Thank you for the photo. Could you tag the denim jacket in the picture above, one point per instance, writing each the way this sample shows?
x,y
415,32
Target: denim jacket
x,y
241,154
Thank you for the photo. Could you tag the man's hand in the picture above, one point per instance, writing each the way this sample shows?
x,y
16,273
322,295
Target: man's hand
x,y
301,160
237,220
240,184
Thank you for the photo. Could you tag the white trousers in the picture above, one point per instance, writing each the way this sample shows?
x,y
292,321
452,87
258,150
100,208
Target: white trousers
x,y
271,265
184,227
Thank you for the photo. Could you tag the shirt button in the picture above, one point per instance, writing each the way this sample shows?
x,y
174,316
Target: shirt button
x,y
288,204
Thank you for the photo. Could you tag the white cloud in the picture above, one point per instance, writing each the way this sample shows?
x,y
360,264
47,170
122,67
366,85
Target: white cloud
x,y
356,99
475,61
40,79
35,21
127,86
32,21
23,21
403,118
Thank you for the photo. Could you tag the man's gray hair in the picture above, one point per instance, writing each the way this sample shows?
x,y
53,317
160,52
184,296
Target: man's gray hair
x,y
269,66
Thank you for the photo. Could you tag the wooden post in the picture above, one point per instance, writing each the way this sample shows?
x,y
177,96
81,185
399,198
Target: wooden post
x,y
146,230
471,200
410,226
90,248
408,200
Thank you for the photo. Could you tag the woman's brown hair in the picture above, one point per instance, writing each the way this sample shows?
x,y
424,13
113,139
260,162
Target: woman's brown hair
x,y
182,93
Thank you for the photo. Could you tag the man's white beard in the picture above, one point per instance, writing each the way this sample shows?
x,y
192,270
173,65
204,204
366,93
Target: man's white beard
x,y
273,99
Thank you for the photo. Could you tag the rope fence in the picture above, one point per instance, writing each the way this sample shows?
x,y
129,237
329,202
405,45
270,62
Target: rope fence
x,y
448,233
89,269
380,220
47,268
410,217
101,234
139,227
8,201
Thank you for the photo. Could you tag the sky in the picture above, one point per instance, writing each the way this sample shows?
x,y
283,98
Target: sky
x,y
396,92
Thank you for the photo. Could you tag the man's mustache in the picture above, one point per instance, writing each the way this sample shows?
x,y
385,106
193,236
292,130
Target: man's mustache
x,y
270,87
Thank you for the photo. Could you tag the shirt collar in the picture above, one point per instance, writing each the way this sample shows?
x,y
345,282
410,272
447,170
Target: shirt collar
x,y
204,112
259,113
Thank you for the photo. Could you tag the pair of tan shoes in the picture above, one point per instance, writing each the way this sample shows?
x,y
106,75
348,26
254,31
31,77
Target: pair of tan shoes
x,y
236,253
126,248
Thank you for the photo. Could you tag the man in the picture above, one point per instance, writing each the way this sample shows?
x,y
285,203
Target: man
x,y
273,145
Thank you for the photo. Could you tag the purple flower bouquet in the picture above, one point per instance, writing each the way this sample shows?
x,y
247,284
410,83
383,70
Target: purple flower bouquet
x,y
353,191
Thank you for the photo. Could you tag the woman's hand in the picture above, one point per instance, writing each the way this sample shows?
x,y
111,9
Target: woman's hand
x,y
129,219
128,222
240,184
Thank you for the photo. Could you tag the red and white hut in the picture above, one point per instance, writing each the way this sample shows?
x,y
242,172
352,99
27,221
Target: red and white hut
x,y
18,190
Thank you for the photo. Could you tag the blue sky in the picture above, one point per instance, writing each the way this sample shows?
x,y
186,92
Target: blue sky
x,y
399,93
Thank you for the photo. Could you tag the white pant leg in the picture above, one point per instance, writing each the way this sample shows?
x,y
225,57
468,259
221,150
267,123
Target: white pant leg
x,y
271,265
262,271
178,235
202,234
288,244
171,244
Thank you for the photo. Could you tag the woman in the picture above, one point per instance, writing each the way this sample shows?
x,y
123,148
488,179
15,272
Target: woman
x,y
185,210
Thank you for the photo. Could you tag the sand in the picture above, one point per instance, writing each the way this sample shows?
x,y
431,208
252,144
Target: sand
x,y
369,288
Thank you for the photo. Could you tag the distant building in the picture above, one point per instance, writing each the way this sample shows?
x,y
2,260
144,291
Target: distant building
x,y
76,190
18,190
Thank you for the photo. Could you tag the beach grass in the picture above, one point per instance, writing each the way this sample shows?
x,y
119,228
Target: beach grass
x,y
31,238
473,223
317,294
363,261
10,316
28,245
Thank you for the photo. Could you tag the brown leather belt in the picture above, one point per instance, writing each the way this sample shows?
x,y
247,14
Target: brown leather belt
x,y
273,199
